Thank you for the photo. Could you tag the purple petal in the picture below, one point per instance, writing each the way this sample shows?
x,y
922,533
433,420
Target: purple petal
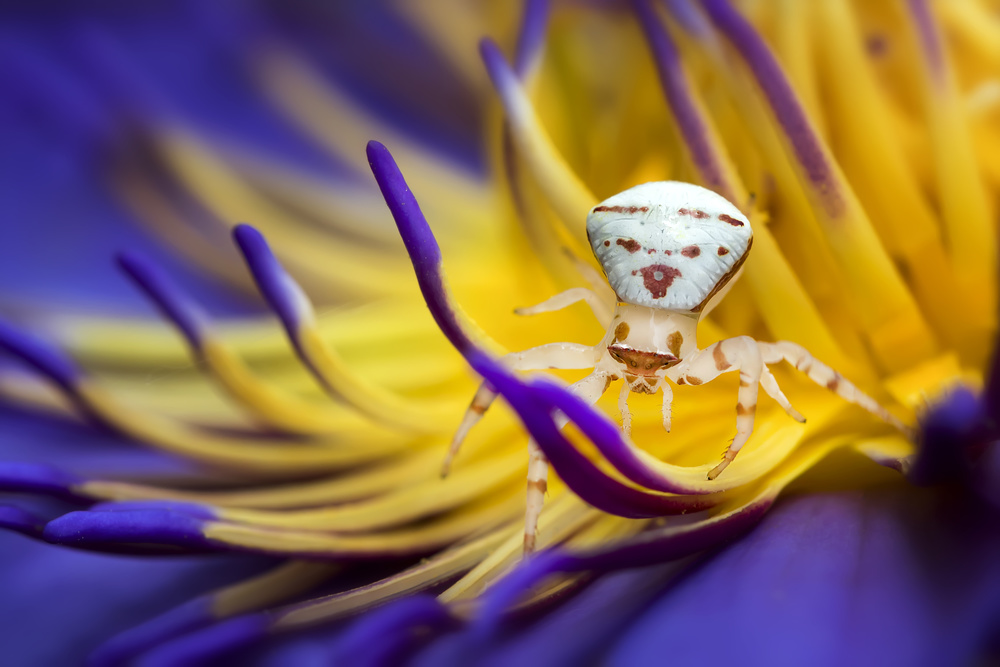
x,y
885,577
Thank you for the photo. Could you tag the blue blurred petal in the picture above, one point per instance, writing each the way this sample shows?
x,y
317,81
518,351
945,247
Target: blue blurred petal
x,y
882,577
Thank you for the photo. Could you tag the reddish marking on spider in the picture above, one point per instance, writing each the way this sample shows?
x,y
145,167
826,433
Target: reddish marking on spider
x,y
691,251
731,220
722,251
658,278
607,243
629,244
694,213
621,209
651,252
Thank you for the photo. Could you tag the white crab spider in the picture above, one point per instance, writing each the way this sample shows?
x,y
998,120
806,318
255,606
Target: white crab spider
x,y
667,249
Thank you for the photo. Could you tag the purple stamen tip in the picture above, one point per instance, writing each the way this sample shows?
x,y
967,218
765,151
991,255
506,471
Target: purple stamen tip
x,y
279,289
168,297
112,529
425,255
123,648
203,646
38,478
44,357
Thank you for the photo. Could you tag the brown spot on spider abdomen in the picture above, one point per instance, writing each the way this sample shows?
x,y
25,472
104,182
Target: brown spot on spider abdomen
x,y
629,244
691,251
674,342
731,220
607,244
631,210
621,331
658,278
721,251
694,213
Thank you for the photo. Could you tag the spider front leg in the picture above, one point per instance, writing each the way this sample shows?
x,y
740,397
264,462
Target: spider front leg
x,y
566,299
551,355
590,389
743,354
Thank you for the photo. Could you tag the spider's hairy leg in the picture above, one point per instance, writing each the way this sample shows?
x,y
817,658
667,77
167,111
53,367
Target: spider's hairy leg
x,y
825,376
740,353
564,300
551,355
590,389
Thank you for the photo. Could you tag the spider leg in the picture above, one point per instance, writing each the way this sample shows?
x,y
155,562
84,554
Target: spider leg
x,y
771,388
623,408
825,376
551,355
668,399
589,389
563,300
740,353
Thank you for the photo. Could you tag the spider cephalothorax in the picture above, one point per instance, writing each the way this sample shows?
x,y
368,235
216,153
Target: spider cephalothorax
x,y
669,250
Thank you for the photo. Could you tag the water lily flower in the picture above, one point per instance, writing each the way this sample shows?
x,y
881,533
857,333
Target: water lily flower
x,y
253,471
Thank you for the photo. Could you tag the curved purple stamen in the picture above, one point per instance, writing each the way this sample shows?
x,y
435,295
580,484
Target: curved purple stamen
x,y
190,509
607,437
41,355
678,93
927,33
38,478
782,100
531,36
690,18
200,646
592,485
171,300
279,289
419,241
124,647
385,637
652,547
576,470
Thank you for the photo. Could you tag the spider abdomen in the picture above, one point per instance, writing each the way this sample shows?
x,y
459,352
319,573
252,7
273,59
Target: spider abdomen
x,y
668,245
